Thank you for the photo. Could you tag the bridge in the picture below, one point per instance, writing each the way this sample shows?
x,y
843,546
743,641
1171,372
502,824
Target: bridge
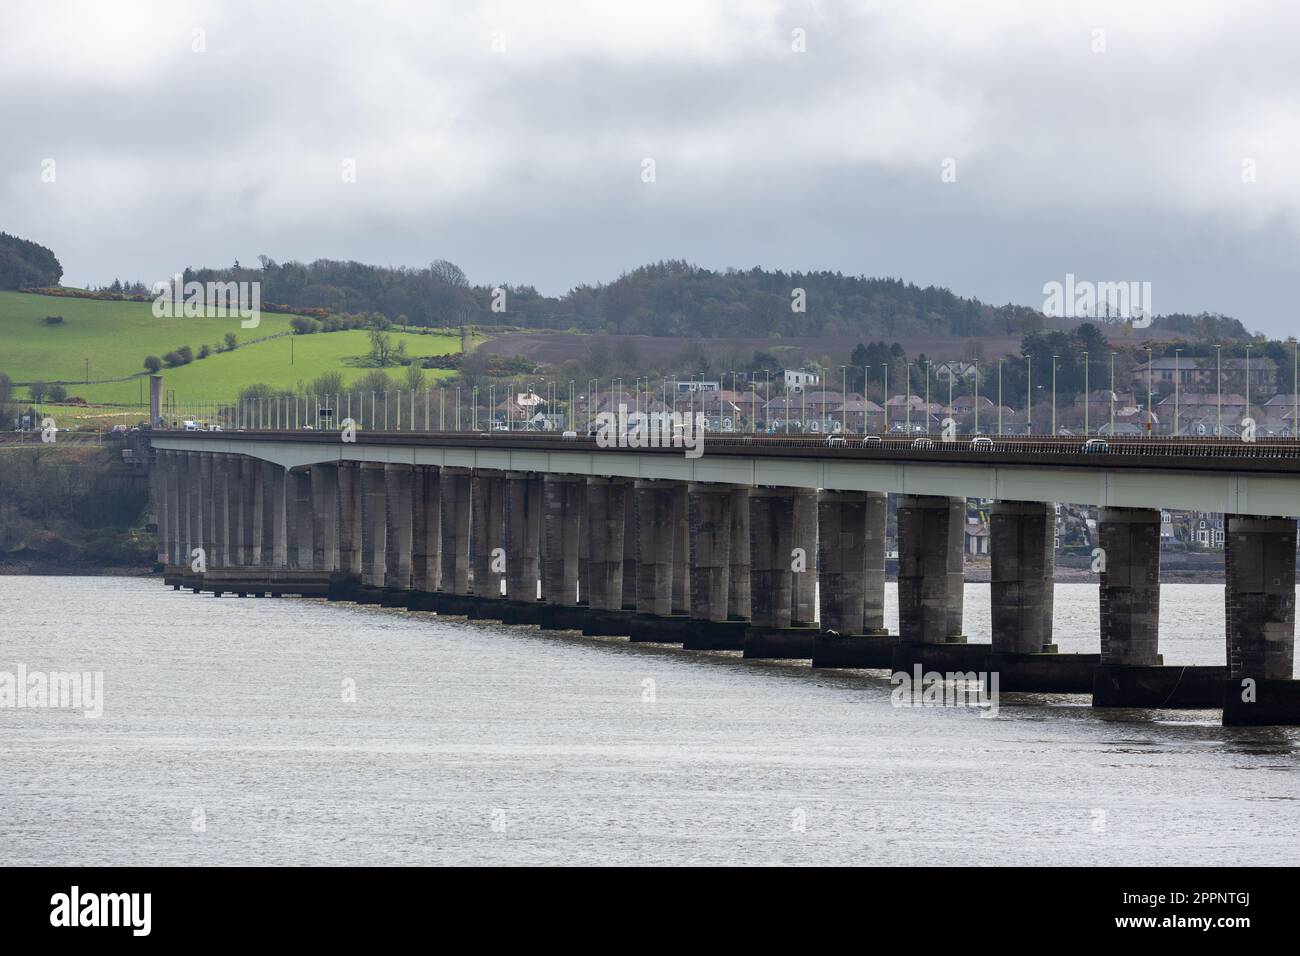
x,y
730,549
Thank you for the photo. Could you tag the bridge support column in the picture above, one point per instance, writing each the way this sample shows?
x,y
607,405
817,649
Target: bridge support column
x,y
841,560
350,511
207,509
374,525
656,537
851,575
804,609
563,498
273,515
584,547
398,487
426,530
250,514
325,517
1130,674
228,509
1260,558
299,519
158,492
454,490
710,550
233,519
631,548
217,511
1023,554
171,477
489,533
738,571
1130,586
771,539
523,532
873,611
606,517
930,572
681,550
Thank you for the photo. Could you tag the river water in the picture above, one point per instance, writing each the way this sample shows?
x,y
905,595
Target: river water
x,y
296,731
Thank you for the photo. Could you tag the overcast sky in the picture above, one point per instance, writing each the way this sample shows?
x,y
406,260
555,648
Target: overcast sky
x,y
1112,141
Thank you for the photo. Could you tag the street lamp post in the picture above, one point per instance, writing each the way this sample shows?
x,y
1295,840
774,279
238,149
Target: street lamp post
x,y
844,399
1218,388
886,397
927,396
1247,381
1150,360
1054,358
1177,376
908,397
1029,394
1112,394
977,396
1087,396
999,398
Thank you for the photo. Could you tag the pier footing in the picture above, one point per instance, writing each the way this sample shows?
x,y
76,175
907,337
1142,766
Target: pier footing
x,y
781,643
1190,688
1264,702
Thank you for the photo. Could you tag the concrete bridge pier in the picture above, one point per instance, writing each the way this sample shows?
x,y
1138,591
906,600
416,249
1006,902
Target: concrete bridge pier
x,y
399,489
1022,546
349,518
171,473
217,512
841,560
681,550
584,546
658,531
563,497
606,532
772,559
488,534
298,519
324,482
250,513
232,502
851,577
273,517
454,491
374,531
1259,601
804,609
631,549
738,572
711,544
158,490
208,509
930,569
426,529
1131,672
523,533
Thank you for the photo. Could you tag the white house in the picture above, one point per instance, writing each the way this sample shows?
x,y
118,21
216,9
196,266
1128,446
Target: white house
x,y
797,380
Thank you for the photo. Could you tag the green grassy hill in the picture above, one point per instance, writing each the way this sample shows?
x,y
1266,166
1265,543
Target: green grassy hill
x,y
116,336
